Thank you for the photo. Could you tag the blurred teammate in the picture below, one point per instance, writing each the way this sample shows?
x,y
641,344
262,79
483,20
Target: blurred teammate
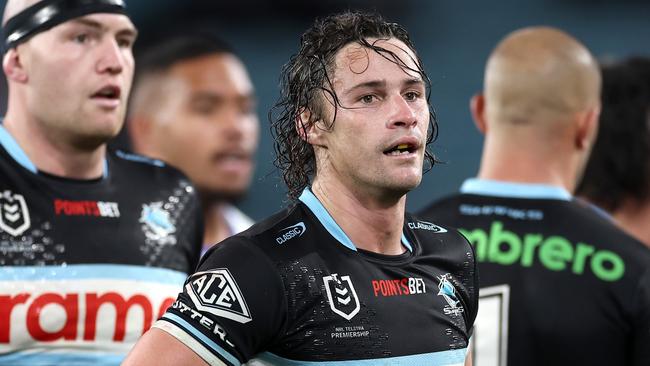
x,y
345,276
617,177
560,285
92,244
193,106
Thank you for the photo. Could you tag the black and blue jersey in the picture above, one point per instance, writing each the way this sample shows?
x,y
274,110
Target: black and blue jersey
x,y
560,284
88,265
295,290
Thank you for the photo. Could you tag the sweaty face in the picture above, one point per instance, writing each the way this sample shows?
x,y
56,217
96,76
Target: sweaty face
x,y
378,140
79,76
208,126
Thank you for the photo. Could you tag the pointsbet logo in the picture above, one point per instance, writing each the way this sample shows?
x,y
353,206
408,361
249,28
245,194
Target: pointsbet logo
x,y
555,253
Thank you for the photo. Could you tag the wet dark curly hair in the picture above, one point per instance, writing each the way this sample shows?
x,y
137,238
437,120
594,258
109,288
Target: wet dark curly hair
x,y
306,80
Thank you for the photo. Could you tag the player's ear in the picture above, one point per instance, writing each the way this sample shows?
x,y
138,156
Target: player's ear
x,y
477,107
587,130
13,67
308,127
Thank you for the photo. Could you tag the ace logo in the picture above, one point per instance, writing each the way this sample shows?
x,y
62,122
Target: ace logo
x,y
14,215
216,292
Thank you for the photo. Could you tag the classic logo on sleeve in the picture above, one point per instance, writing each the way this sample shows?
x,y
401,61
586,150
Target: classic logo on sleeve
x,y
14,215
216,292
341,295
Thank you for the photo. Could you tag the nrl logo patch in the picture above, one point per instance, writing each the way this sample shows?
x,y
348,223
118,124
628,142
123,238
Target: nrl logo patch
x,y
447,290
14,215
216,292
341,295
156,223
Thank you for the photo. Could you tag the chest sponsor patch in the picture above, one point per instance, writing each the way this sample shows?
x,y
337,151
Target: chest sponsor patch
x,y
86,208
399,287
216,292
56,308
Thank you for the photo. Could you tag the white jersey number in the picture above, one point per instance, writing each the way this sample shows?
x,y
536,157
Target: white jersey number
x,y
490,339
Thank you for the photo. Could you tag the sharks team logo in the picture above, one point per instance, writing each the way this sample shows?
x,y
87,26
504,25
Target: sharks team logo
x,y
14,215
447,290
156,223
341,295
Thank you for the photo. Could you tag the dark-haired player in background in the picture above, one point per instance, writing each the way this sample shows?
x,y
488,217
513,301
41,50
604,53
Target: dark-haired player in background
x,y
617,178
93,246
345,276
193,106
560,284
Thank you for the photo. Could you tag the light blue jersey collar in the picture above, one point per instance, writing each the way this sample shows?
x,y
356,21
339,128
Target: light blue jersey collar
x,y
314,205
18,154
496,188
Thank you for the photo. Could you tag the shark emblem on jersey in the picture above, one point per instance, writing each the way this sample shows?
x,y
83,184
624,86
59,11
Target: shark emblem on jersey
x,y
341,295
447,290
216,292
14,215
156,223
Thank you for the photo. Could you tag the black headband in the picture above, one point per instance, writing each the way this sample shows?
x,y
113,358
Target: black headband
x,y
48,13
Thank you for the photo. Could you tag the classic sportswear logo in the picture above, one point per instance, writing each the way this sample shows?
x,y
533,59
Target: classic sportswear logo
x,y
291,232
554,253
14,215
423,225
341,295
216,292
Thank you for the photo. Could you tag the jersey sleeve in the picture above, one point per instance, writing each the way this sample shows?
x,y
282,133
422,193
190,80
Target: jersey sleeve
x,y
232,308
641,351
470,282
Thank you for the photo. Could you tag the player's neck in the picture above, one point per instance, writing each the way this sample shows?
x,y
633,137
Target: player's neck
x,y
51,155
215,228
633,219
508,163
371,224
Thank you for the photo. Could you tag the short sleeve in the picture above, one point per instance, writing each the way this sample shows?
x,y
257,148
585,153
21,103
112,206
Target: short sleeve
x,y
232,308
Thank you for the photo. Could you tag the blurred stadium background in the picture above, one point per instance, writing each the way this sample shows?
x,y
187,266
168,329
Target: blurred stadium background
x,y
454,39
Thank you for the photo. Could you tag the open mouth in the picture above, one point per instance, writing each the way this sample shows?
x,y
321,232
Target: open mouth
x,y
108,92
401,149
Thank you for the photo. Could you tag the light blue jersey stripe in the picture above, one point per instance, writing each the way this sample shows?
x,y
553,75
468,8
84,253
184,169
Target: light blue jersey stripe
x,y
18,154
443,358
7,141
495,188
312,202
200,336
59,359
92,271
